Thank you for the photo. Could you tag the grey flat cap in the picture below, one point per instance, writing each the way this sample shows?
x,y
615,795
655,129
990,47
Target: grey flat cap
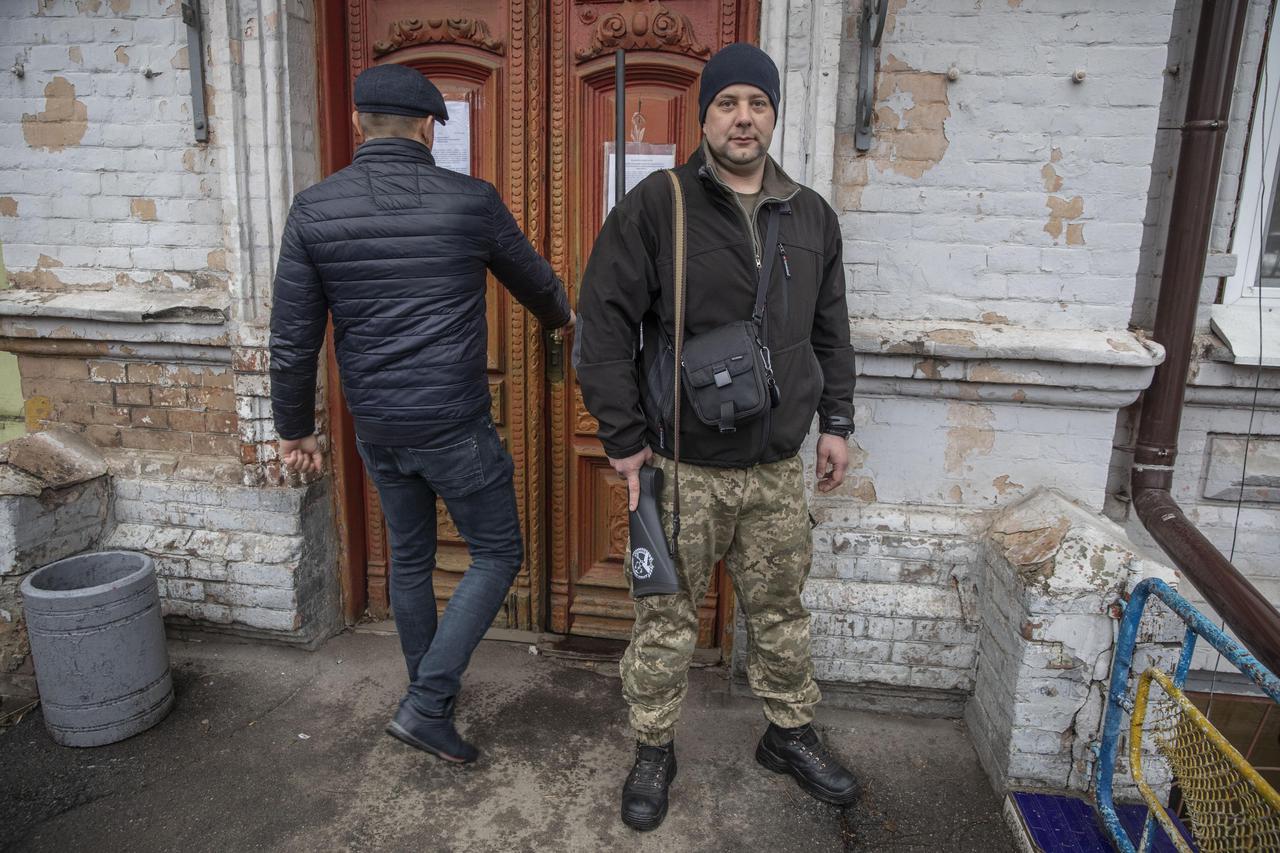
x,y
398,90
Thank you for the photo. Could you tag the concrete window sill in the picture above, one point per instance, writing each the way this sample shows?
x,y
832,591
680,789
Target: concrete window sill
x,y
1238,326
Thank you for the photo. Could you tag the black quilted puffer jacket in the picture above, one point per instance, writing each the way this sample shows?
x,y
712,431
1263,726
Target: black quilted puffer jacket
x,y
397,249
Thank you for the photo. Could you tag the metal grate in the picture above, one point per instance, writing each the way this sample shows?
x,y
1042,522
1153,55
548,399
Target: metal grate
x,y
1231,807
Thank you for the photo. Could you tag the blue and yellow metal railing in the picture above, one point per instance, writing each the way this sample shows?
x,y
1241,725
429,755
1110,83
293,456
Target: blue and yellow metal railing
x,y
1246,782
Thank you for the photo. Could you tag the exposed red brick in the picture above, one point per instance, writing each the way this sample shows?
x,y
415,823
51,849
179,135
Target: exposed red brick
x,y
149,418
187,420
68,390
216,399
222,422
133,395
106,371
113,415
218,378
103,435
156,439
71,412
146,374
174,396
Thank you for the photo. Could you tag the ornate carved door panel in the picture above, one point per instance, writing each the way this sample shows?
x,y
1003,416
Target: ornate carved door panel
x,y
538,83
667,44
488,59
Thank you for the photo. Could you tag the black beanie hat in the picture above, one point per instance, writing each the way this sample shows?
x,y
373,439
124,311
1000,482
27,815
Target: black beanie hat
x,y
738,63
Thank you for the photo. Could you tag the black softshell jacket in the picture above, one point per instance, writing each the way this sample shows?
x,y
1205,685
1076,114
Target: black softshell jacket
x,y
630,275
397,248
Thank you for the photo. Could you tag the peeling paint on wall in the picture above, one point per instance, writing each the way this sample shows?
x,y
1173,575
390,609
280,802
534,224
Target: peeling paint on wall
x,y
931,368
143,208
75,54
969,431
63,121
911,111
180,60
1061,211
120,7
88,7
41,277
122,56
1003,484
956,337
8,206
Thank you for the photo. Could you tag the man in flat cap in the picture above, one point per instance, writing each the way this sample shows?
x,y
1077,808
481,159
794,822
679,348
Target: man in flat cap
x,y
763,249
396,249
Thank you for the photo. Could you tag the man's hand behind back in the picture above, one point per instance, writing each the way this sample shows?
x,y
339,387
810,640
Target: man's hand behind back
x,y
302,454
629,470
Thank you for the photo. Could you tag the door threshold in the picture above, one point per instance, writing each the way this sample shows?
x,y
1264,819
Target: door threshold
x,y
568,646
574,647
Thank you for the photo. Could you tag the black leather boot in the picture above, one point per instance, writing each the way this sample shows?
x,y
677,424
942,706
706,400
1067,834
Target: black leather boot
x,y
800,753
644,795
434,735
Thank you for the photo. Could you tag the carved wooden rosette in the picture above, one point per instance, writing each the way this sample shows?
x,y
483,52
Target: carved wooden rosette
x,y
466,31
643,25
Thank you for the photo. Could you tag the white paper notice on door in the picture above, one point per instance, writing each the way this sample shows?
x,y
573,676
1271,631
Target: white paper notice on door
x,y
452,148
642,160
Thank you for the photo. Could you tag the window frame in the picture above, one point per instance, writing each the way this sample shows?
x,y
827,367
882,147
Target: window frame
x,y
1258,175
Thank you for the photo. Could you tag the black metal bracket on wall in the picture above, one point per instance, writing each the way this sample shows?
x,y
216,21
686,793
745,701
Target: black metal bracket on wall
x,y
195,59
870,31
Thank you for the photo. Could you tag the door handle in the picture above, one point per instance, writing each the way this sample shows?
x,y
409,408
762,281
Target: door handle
x,y
555,355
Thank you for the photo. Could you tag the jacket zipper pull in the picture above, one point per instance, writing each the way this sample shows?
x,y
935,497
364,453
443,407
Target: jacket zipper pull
x,y
786,267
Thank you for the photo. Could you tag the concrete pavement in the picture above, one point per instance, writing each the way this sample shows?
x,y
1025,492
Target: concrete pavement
x,y
272,748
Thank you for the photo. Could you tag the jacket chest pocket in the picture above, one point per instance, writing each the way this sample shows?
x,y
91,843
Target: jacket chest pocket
x,y
797,277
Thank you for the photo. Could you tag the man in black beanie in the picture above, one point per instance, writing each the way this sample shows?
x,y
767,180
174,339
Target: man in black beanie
x,y
397,250
762,248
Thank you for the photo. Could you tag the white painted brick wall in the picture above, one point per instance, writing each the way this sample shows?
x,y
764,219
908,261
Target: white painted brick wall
x,y
247,557
963,235
131,198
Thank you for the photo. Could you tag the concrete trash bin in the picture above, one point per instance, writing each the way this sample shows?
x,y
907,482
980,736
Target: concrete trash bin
x,y
98,644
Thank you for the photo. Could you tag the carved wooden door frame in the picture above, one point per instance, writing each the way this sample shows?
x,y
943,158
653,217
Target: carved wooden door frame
x,y
342,49
540,56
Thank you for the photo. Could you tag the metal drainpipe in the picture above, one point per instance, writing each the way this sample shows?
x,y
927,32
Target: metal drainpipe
x,y
1253,619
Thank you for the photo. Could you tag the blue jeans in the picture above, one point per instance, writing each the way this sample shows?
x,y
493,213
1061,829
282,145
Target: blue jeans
x,y
473,474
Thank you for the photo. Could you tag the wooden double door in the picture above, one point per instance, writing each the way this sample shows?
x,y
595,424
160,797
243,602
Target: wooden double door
x,y
530,87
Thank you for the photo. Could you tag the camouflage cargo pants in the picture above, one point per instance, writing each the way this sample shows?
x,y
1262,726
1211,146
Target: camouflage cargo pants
x,y
757,521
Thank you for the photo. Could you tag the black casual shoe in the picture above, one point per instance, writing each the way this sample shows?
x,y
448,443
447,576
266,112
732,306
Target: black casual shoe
x,y
803,755
435,735
644,795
